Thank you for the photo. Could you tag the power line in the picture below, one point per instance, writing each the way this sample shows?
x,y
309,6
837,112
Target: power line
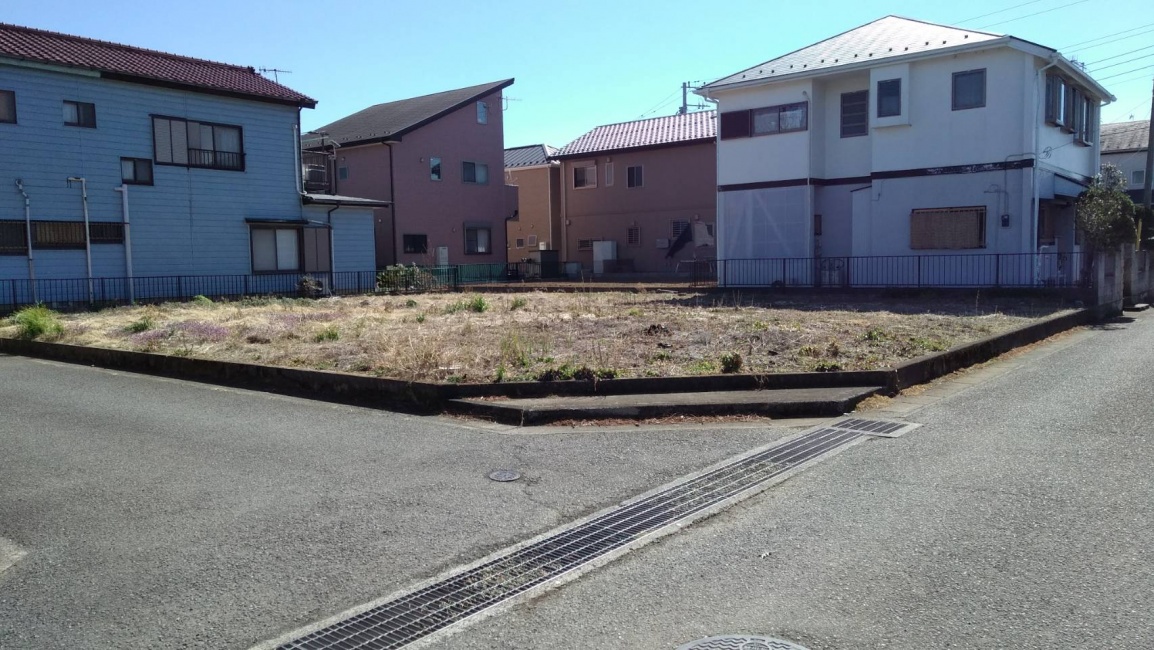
x,y
1112,65
661,104
1145,67
1149,47
1036,13
1107,36
1000,11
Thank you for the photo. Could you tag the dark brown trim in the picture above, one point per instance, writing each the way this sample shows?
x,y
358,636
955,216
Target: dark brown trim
x,y
303,102
14,116
151,170
896,173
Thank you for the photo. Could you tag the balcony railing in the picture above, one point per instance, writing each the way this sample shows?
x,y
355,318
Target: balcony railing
x,y
211,159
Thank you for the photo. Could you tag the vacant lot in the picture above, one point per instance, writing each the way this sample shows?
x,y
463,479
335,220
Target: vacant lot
x,y
530,335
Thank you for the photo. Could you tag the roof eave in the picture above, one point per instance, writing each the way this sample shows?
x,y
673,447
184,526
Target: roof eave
x,y
704,91
645,147
432,118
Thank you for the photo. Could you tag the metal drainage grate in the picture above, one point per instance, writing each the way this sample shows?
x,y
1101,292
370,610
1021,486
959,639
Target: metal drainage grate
x,y
420,613
738,642
884,428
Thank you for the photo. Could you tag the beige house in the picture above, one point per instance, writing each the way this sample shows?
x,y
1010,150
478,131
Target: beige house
x,y
1124,145
536,225
639,197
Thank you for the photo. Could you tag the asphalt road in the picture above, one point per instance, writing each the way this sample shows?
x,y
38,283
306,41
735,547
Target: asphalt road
x,y
1020,516
155,513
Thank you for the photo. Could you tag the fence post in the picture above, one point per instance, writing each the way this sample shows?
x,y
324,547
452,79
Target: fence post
x,y
783,271
997,269
919,270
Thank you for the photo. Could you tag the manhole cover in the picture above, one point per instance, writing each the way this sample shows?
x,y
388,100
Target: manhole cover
x,y
504,475
740,642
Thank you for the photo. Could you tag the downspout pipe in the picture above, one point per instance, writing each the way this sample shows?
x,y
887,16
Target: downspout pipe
x,y
393,202
28,237
87,232
123,189
332,247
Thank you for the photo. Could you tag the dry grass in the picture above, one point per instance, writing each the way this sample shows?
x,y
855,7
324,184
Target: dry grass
x,y
520,336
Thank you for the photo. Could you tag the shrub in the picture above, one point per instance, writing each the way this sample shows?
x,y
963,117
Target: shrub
x,y
310,287
420,318
329,333
1105,213
477,304
203,301
410,303
826,366
406,278
518,303
37,321
731,362
875,335
143,325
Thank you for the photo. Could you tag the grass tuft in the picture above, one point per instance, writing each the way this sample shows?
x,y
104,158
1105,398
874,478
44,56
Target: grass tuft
x,y
36,322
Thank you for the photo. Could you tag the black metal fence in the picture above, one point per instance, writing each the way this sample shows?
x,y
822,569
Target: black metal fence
x,y
83,292
1009,270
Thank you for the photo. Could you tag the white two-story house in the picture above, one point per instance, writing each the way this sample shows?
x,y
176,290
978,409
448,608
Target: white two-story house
x,y
902,139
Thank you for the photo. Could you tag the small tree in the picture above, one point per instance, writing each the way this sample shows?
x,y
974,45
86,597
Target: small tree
x,y
1105,212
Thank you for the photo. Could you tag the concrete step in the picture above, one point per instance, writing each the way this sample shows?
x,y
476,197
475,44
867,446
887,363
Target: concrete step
x,y
795,402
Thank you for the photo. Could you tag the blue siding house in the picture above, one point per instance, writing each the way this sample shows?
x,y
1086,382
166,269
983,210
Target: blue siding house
x,y
120,165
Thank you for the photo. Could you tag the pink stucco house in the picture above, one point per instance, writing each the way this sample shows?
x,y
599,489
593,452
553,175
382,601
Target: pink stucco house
x,y
439,159
649,187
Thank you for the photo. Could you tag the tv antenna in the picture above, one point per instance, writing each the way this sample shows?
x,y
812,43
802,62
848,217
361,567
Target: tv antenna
x,y
275,73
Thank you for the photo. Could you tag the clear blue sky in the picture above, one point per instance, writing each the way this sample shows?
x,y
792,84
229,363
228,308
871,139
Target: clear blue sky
x,y
577,64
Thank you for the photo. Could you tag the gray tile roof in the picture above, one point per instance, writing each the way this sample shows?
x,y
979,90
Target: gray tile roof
x,y
337,199
1125,136
529,155
888,37
394,119
656,131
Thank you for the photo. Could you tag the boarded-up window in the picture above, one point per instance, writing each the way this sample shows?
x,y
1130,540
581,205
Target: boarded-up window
x,y
106,232
584,244
948,228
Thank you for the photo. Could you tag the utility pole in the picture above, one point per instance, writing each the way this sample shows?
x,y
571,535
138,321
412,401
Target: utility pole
x,y
684,98
1149,157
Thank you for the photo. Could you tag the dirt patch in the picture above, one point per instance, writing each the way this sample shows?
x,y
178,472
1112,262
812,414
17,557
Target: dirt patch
x,y
480,338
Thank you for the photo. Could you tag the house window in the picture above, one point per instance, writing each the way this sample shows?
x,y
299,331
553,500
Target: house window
x,y
473,172
187,143
1138,177
608,174
58,234
855,114
948,228
889,98
520,243
584,244
734,124
342,173
482,113
435,169
106,232
532,240
80,114
276,249
7,106
677,227
780,119
1087,120
969,89
634,176
585,175
477,240
13,240
136,171
633,236
415,244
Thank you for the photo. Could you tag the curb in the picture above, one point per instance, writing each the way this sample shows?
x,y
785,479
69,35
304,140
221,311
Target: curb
x,y
429,398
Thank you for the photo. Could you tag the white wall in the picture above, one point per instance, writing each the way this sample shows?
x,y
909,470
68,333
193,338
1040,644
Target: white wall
x,y
1129,163
783,156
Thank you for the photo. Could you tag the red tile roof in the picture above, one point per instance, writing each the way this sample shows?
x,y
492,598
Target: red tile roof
x,y
136,64
657,131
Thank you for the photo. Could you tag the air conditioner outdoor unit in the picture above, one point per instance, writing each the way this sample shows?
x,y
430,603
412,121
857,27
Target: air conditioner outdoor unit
x,y
543,246
663,242
315,174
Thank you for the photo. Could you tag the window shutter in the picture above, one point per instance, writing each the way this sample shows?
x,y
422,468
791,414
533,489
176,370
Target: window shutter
x,y
179,143
162,137
735,124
